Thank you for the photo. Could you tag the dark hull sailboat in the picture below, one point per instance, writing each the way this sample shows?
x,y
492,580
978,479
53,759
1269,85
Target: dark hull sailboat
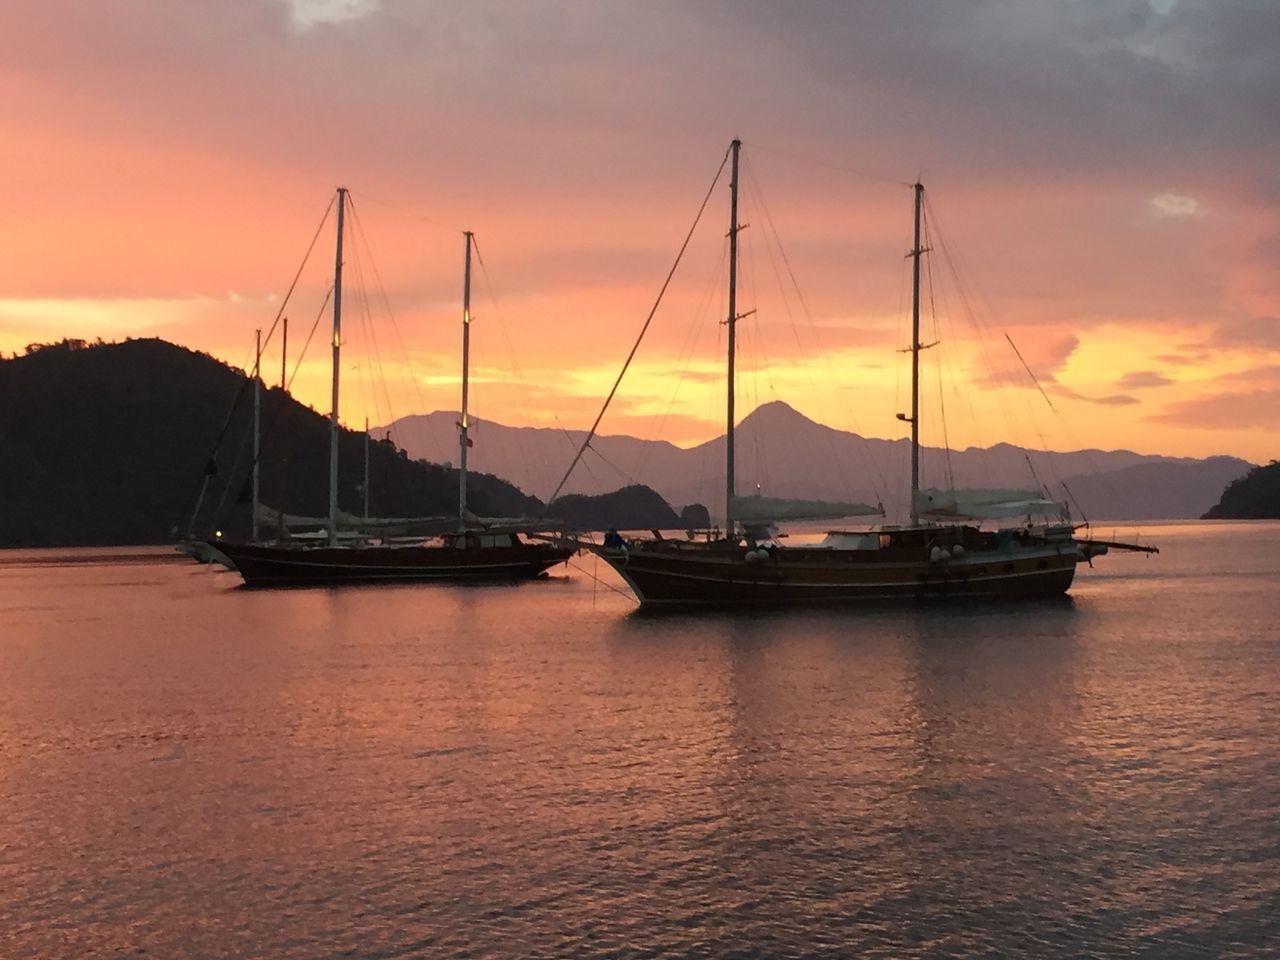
x,y
904,565
475,550
922,561
271,566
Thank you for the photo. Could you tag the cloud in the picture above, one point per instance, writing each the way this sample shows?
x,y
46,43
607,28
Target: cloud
x,y
1043,355
1111,400
1247,332
1140,379
1269,374
1174,205
305,14
161,154
1190,354
1255,408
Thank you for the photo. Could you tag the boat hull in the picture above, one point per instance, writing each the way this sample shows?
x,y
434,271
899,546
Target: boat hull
x,y
265,566
672,577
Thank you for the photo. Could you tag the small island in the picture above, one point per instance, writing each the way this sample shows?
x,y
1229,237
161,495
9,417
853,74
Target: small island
x,y
1255,496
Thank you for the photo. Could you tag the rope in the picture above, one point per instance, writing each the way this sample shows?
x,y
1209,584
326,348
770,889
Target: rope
x,y
878,482
937,358
307,256
644,329
608,586
314,325
515,362
240,390
755,148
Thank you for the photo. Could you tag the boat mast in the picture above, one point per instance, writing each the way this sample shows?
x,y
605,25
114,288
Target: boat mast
x,y
366,469
284,354
337,348
463,441
257,424
916,252
735,149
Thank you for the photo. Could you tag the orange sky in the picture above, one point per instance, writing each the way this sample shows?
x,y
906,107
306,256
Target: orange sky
x,y
1102,175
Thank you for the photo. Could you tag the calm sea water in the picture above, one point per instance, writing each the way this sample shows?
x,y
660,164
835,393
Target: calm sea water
x,y
190,769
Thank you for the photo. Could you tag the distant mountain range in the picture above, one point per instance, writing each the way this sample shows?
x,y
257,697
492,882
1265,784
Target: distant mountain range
x,y
788,455
108,444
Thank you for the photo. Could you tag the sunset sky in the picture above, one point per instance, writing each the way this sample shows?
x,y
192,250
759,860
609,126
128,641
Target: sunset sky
x,y
1104,177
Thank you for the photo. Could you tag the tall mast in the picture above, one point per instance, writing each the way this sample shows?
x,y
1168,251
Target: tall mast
x,y
284,354
366,468
337,348
257,424
463,441
735,148
916,253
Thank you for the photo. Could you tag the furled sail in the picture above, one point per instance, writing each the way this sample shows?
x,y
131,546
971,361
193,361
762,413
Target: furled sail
x,y
758,509
985,504
274,520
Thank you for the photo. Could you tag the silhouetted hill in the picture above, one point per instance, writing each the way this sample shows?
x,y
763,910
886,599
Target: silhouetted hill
x,y
783,453
636,507
107,444
1255,496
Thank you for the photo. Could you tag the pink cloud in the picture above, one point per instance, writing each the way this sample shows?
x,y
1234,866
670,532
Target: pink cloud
x,y
1255,408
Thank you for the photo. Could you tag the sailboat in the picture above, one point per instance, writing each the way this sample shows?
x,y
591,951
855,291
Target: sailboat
x,y
924,559
470,548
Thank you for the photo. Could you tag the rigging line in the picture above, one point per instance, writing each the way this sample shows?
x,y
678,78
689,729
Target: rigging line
x,y
720,383
569,437
979,329
899,453
948,356
787,154
1029,373
1073,499
302,266
748,347
359,310
602,583
235,468
280,409
636,346
992,368
1035,476
314,325
622,473
515,361
971,316
360,305
217,444
771,233
684,360
395,326
758,193
203,484
937,359
386,303
409,210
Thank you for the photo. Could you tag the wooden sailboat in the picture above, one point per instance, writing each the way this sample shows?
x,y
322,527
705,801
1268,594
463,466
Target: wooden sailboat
x,y
924,559
473,550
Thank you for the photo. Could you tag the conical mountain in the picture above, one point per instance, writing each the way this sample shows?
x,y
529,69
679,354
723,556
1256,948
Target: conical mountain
x,y
784,453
